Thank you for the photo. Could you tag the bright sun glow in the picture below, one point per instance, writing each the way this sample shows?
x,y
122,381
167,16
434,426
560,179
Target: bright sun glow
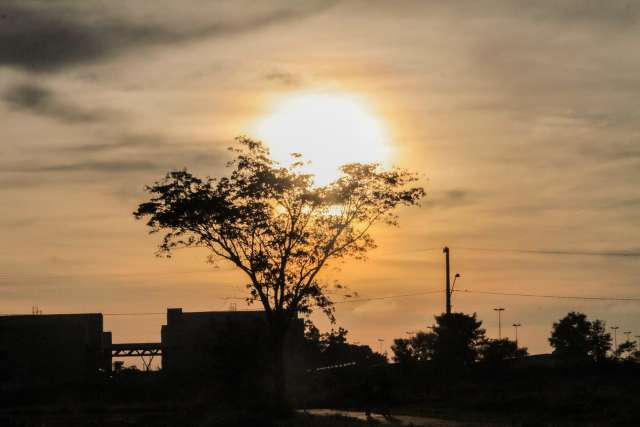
x,y
328,129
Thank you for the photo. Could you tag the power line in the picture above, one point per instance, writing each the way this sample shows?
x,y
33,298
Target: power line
x,y
515,294
431,292
435,291
633,253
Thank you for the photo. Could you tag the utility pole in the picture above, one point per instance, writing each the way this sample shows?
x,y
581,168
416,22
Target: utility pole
x,y
615,336
499,310
515,326
447,290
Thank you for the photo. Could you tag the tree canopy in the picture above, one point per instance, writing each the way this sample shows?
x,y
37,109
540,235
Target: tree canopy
x,y
576,338
495,351
274,224
455,340
333,348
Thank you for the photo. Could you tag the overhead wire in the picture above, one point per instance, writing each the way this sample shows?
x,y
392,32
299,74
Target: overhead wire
x,y
517,294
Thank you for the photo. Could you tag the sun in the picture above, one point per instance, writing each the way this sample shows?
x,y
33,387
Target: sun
x,y
329,129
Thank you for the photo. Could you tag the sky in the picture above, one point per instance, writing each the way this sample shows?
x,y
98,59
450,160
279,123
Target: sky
x,y
521,117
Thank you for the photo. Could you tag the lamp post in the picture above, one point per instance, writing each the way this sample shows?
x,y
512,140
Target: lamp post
x,y
499,310
515,326
380,340
615,336
453,285
627,333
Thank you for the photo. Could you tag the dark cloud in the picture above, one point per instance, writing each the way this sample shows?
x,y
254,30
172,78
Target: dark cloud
x,y
625,203
50,36
612,151
114,166
40,100
18,223
284,78
619,13
631,253
122,142
448,199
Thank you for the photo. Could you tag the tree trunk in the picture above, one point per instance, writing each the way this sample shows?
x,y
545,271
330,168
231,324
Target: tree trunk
x,y
278,340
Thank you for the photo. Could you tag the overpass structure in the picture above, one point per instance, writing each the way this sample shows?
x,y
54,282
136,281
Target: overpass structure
x,y
146,351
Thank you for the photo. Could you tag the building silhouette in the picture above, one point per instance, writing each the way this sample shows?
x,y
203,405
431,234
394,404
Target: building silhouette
x,y
39,350
55,348
197,342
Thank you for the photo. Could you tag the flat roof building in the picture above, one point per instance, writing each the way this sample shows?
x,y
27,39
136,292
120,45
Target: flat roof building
x,y
194,342
52,349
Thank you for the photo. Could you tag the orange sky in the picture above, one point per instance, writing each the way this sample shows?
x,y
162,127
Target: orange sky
x,y
522,118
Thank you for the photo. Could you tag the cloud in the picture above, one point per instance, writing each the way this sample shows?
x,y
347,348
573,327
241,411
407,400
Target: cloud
x,y
283,78
630,253
448,199
113,166
42,101
124,141
44,37
376,309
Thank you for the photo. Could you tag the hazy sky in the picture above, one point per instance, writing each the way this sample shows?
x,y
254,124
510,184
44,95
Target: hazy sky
x,y
522,116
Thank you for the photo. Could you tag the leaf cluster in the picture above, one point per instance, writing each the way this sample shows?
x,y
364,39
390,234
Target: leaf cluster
x,y
274,224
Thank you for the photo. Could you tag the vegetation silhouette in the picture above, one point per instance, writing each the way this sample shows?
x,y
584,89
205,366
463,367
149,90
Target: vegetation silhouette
x,y
627,351
455,341
575,339
494,352
277,227
333,349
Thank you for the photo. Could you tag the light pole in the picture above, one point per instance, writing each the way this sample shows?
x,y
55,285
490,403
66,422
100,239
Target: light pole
x,y
515,326
627,333
453,285
447,282
499,310
380,340
615,336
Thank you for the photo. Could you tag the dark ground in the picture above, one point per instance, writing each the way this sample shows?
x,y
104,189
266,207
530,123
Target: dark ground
x,y
588,396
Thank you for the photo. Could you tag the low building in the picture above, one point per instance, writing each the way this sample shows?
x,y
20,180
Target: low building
x,y
52,349
198,342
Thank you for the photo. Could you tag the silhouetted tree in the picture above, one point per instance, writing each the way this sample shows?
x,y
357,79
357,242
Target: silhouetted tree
x,y
275,226
455,341
418,348
333,348
496,351
458,337
574,338
626,351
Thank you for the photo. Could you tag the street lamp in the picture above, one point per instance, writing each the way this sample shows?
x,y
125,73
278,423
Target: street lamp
x,y
454,281
380,340
499,310
515,326
615,336
627,333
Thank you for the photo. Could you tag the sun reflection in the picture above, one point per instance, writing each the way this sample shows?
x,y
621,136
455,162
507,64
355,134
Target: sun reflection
x,y
329,129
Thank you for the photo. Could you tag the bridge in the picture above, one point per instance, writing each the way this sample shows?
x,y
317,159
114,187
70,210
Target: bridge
x,y
145,350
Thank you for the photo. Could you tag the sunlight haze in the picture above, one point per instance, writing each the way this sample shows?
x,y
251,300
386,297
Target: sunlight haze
x,y
329,129
522,118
